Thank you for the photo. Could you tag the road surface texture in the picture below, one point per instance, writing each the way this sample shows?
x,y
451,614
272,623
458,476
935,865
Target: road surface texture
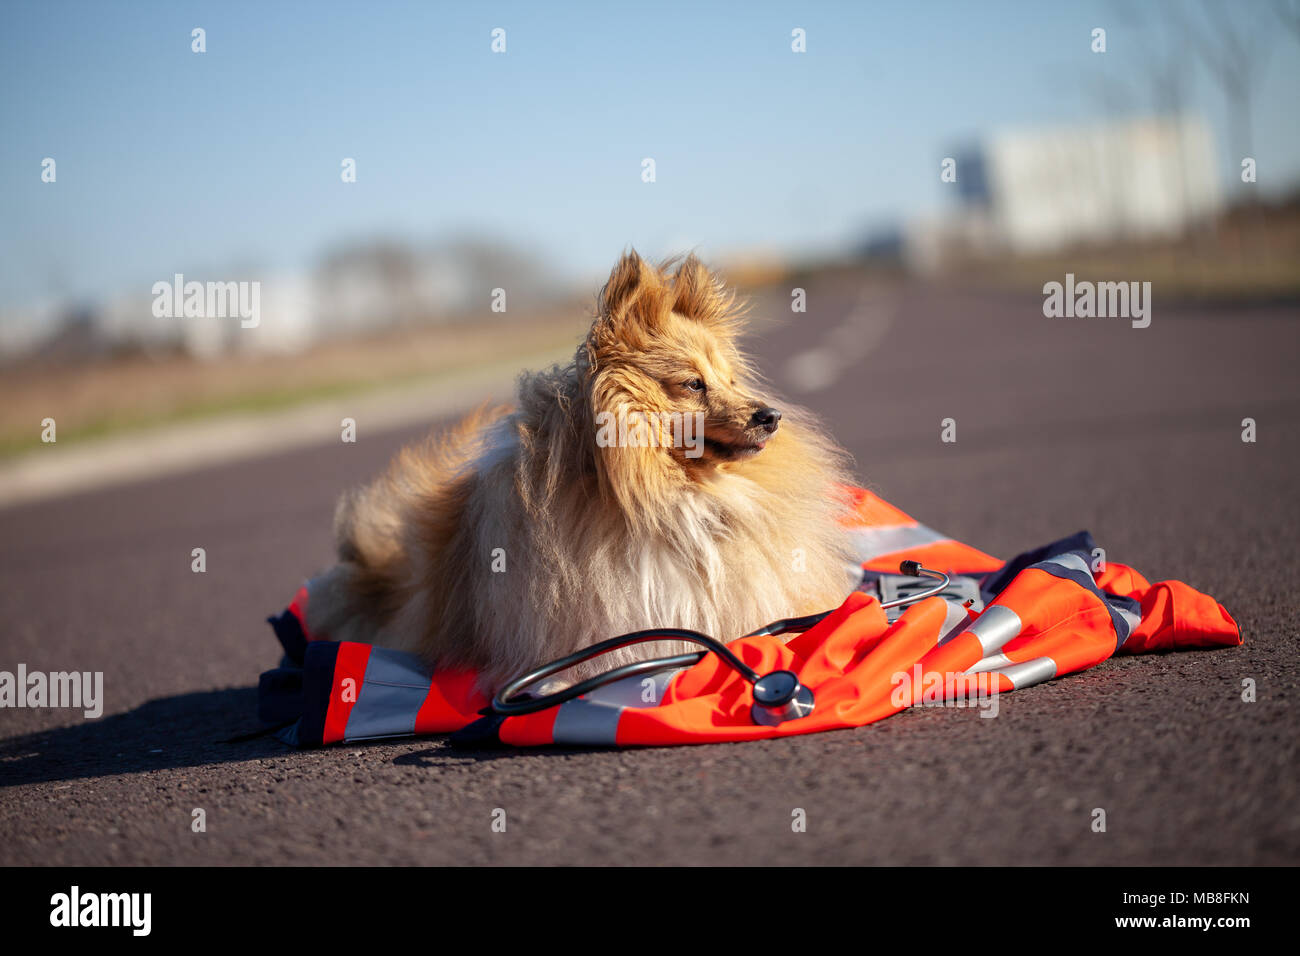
x,y
1061,424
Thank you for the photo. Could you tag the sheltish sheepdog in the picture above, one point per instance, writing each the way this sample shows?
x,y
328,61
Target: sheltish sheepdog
x,y
595,505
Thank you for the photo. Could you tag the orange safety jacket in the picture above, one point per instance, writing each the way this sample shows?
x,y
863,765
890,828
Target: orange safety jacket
x,y
1045,614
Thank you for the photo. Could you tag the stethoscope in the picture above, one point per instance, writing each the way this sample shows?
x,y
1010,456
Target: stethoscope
x,y
778,696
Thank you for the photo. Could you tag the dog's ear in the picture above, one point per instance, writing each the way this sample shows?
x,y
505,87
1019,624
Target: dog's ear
x,y
630,275
633,303
699,294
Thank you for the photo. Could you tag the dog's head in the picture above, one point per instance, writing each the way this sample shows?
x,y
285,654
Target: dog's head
x,y
670,393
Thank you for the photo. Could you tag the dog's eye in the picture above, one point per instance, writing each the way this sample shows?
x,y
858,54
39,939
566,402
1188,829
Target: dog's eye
x,y
695,385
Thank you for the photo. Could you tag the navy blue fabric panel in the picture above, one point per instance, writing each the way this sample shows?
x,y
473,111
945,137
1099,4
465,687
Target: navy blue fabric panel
x,y
1132,605
482,734
289,632
317,685
997,581
279,695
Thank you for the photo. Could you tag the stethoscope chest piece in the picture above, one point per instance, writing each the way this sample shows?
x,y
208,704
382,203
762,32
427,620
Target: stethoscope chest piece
x,y
779,697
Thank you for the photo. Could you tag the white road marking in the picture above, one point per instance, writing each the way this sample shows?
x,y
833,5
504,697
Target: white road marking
x,y
71,466
846,345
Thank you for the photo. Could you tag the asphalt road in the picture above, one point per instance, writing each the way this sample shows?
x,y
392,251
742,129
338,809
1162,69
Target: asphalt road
x,y
1062,424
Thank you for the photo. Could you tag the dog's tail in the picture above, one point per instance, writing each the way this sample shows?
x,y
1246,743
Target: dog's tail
x,y
377,526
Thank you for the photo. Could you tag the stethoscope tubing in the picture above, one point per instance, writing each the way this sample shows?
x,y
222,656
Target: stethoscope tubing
x,y
503,705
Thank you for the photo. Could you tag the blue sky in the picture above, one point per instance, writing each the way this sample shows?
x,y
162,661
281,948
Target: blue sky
x,y
170,161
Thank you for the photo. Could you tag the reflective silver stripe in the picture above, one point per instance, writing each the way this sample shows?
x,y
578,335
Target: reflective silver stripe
x,y
1070,561
956,631
1030,672
390,696
886,539
1129,617
990,663
631,692
955,617
994,627
584,721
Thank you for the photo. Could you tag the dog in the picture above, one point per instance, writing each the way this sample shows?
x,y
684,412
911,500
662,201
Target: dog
x,y
595,507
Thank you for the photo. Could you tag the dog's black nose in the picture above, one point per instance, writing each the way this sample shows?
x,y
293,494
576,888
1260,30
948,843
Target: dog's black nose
x,y
767,418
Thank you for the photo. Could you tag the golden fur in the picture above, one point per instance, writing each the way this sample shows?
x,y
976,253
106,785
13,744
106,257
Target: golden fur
x,y
597,539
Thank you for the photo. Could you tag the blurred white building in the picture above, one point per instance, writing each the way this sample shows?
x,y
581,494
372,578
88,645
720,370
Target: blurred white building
x,y
1040,190
286,322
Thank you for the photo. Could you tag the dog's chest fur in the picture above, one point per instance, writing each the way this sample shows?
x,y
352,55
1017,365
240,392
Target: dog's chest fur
x,y
720,560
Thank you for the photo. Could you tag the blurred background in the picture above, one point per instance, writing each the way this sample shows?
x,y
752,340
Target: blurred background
x,y
524,169
892,199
